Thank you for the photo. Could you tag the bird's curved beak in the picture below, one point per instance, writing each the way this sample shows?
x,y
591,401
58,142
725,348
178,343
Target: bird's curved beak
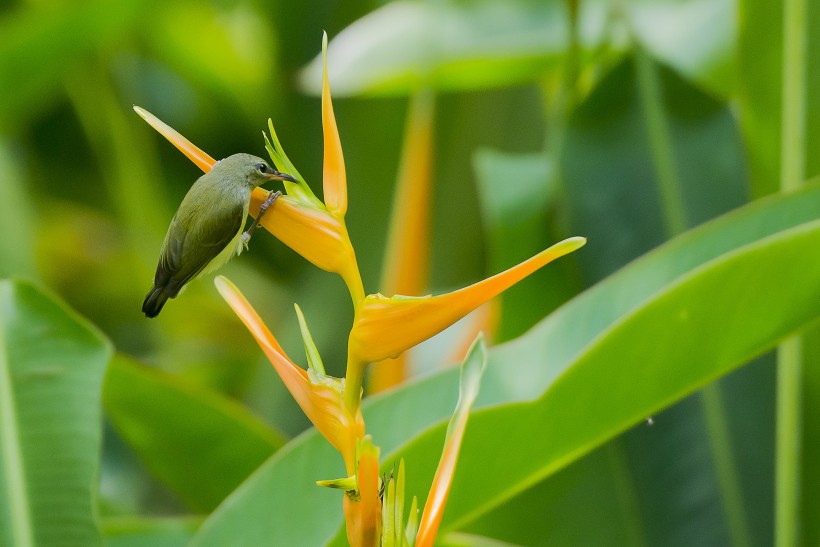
x,y
276,175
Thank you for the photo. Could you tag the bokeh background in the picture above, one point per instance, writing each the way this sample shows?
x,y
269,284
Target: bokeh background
x,y
552,119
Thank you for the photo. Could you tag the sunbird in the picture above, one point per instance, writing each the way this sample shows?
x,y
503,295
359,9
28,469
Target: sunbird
x,y
206,230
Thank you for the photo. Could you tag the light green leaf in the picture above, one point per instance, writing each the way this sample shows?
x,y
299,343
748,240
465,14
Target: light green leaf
x,y
199,443
622,350
51,369
142,531
696,37
447,45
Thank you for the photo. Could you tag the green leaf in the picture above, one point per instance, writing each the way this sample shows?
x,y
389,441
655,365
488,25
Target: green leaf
x,y
696,37
559,508
489,43
232,51
156,532
446,45
40,43
620,351
648,358
51,369
614,198
760,62
675,160
759,94
810,472
199,443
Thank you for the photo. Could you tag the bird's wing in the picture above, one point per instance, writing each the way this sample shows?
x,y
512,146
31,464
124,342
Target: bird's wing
x,y
187,252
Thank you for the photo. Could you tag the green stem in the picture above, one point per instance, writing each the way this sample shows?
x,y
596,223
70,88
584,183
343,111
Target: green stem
x,y
789,354
660,143
354,376
721,444
787,450
625,489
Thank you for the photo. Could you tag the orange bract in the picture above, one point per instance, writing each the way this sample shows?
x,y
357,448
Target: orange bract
x,y
322,404
385,327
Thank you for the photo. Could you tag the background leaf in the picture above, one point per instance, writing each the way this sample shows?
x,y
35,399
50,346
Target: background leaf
x,y
51,369
199,443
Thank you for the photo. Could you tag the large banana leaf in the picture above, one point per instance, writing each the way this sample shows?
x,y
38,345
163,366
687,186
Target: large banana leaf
x,y
51,370
660,328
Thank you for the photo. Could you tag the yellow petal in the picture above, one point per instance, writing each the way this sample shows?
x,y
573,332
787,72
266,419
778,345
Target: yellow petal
x,y
200,158
408,244
314,233
333,171
322,404
385,327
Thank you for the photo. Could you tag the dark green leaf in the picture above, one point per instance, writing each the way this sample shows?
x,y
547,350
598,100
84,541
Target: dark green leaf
x,y
199,443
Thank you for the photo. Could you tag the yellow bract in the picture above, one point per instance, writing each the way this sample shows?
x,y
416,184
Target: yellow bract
x,y
385,327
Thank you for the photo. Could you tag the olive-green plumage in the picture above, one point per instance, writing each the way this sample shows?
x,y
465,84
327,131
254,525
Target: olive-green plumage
x,y
206,230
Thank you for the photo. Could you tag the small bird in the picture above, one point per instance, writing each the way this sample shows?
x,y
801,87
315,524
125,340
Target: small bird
x,y
206,230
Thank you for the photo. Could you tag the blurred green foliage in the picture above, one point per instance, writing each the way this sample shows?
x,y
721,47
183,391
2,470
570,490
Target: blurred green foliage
x,y
602,118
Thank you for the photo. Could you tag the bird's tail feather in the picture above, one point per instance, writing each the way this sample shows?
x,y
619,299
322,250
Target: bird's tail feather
x,y
154,301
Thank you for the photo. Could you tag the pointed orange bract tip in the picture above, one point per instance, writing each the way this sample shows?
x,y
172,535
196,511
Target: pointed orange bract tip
x,y
200,158
471,373
333,171
321,403
385,327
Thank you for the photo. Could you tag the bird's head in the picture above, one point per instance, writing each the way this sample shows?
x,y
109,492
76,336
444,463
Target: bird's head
x,y
252,169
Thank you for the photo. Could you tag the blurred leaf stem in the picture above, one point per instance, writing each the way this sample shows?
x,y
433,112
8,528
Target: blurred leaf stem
x,y
789,353
16,216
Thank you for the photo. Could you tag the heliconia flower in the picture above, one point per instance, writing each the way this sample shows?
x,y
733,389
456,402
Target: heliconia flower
x,y
301,221
385,327
319,396
471,372
406,265
363,510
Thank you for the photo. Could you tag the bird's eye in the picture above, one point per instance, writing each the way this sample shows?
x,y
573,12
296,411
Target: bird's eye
x,y
262,168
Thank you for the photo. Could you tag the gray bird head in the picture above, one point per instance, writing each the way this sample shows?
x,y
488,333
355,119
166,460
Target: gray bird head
x,y
253,170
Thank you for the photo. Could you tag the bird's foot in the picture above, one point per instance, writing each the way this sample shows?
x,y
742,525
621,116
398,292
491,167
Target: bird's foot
x,y
272,196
